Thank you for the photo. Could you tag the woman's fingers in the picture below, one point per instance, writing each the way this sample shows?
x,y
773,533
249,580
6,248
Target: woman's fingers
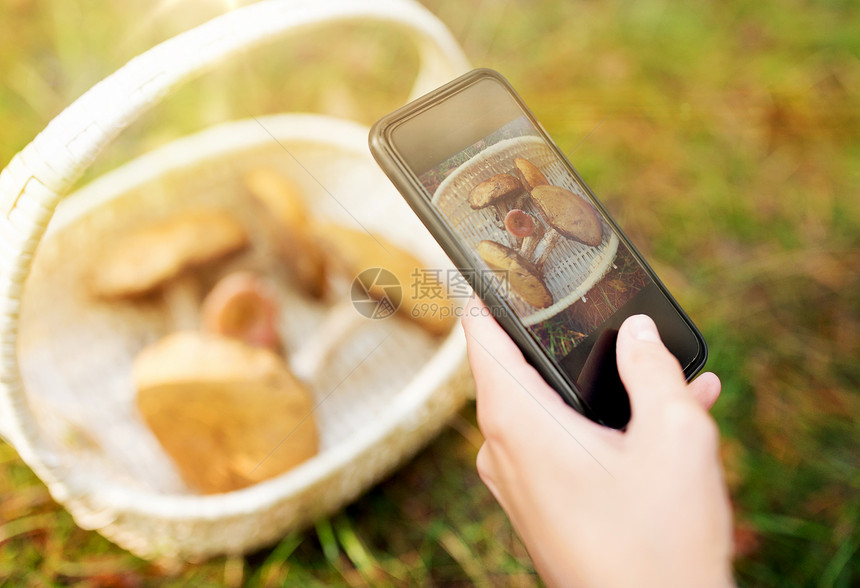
x,y
650,373
517,410
653,372
500,370
706,389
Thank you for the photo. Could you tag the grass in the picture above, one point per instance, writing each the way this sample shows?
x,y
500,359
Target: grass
x,y
620,284
724,137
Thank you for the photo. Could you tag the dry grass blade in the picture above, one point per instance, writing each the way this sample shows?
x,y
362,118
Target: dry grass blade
x,y
461,553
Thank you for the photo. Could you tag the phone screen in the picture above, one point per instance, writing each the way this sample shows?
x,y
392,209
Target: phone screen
x,y
534,231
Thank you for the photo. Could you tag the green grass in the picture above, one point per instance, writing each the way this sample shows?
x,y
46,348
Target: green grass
x,y
417,528
724,137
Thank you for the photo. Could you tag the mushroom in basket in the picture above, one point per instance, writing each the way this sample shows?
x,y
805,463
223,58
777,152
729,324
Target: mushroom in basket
x,y
522,226
354,251
149,257
158,256
229,414
569,214
291,223
242,306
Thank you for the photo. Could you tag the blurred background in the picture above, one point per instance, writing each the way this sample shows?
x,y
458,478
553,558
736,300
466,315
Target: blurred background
x,y
725,139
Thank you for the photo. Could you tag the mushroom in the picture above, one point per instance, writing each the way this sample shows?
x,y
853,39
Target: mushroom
x,y
567,215
145,259
496,191
229,414
156,257
524,278
287,211
529,174
354,251
242,306
521,225
549,243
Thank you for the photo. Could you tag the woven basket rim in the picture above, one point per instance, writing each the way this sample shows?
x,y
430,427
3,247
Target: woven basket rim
x,y
206,143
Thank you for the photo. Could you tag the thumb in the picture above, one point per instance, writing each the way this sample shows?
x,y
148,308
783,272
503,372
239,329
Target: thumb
x,y
650,373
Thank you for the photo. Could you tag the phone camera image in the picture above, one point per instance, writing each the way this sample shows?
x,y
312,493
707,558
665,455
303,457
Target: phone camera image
x,y
564,271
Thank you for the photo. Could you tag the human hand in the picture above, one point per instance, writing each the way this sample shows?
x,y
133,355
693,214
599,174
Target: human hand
x,y
595,506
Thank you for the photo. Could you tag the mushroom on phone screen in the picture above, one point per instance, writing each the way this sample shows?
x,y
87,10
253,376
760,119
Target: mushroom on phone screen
x,y
524,278
530,175
569,214
525,230
497,191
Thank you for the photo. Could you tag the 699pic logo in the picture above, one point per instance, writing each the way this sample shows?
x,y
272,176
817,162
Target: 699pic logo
x,y
376,293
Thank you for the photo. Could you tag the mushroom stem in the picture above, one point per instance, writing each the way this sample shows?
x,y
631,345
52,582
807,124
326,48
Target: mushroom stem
x,y
501,210
549,242
182,300
521,199
530,243
340,321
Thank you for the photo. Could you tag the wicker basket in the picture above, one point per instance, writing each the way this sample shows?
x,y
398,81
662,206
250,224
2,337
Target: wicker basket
x,y
66,402
572,268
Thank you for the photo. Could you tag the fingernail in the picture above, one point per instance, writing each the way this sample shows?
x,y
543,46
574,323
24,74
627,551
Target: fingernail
x,y
643,328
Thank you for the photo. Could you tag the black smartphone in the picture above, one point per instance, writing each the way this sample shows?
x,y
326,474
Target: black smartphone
x,y
529,236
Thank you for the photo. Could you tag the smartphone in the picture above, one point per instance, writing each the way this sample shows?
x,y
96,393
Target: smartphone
x,y
530,237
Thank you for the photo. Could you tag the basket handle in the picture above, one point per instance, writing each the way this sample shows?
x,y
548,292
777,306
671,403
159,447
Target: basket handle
x,y
37,177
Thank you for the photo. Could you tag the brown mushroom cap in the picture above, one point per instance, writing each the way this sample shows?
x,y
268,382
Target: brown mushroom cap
x,y
242,306
287,210
525,279
229,414
357,250
145,259
530,174
497,188
520,224
569,214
